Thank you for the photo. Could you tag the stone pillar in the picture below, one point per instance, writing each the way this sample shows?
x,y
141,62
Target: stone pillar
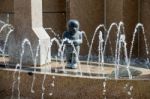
x,y
28,24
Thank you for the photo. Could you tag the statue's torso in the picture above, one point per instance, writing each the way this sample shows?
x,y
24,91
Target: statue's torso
x,y
72,36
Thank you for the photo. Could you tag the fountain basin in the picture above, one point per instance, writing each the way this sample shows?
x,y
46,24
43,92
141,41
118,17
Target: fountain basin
x,y
71,87
81,83
93,70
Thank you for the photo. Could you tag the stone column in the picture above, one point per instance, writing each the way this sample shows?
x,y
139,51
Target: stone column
x,y
28,24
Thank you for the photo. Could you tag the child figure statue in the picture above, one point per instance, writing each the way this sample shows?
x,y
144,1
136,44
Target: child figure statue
x,y
72,51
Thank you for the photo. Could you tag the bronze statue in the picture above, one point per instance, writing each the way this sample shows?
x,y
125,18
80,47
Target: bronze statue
x,y
75,36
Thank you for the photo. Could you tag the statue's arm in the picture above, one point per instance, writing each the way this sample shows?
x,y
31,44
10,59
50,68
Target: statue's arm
x,y
80,40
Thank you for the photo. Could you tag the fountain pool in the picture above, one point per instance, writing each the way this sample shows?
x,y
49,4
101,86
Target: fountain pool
x,y
92,79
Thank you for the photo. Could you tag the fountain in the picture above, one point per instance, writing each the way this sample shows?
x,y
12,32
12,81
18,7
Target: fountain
x,y
53,80
89,69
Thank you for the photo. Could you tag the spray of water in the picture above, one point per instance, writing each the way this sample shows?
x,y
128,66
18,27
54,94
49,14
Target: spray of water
x,y
88,44
52,31
51,43
101,54
101,49
133,40
25,41
62,52
96,30
5,42
2,22
35,64
4,26
104,89
43,88
14,81
123,42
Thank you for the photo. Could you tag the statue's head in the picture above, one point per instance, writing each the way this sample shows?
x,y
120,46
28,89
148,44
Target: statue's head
x,y
73,25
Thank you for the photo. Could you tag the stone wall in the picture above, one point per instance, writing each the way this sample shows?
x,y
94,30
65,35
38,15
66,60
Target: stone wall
x,y
90,14
130,19
71,87
54,16
114,13
145,15
7,10
54,13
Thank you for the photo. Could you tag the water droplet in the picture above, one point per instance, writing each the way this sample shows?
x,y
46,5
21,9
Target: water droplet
x,y
32,91
18,78
131,88
104,84
53,84
50,94
104,91
126,85
43,88
129,93
53,77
